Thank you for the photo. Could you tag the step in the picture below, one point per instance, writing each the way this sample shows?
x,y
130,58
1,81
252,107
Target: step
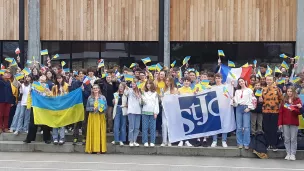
x,y
69,138
16,146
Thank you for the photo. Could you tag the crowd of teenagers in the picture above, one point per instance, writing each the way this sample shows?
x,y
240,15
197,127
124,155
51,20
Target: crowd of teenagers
x,y
135,104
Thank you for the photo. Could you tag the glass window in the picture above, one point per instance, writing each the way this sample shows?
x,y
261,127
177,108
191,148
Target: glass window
x,y
85,54
60,48
9,51
204,54
139,50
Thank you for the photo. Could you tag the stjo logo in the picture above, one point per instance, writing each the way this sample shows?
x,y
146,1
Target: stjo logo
x,y
200,113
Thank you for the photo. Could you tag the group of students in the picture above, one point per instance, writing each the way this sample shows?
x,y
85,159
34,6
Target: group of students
x,y
137,103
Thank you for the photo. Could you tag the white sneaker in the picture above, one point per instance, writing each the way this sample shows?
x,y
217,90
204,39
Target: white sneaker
x,y
152,144
16,133
180,144
214,144
136,144
41,132
188,144
163,145
131,144
169,144
292,158
113,142
146,144
224,144
11,131
287,157
121,143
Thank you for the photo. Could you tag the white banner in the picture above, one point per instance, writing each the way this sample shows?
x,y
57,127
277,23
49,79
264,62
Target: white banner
x,y
204,114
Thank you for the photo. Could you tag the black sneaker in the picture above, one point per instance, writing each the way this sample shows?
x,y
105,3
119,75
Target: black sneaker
x,y
75,141
48,142
26,141
274,148
197,144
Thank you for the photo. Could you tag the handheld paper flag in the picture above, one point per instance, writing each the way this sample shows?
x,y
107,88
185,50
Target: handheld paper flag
x,y
102,106
17,51
66,70
101,63
86,80
26,71
104,75
19,76
152,67
44,52
295,80
128,77
297,57
231,64
132,65
281,81
186,59
232,75
146,60
283,56
2,72
14,63
9,59
28,62
220,53
55,56
158,67
38,87
277,70
258,93
285,65
197,73
205,82
173,64
63,63
259,73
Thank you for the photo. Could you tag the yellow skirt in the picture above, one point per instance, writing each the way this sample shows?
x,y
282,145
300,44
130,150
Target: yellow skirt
x,y
96,140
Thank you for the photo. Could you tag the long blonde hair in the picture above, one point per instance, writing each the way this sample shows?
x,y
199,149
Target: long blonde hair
x,y
171,87
294,95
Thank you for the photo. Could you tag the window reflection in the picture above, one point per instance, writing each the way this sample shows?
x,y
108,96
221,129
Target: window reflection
x,y
60,48
9,48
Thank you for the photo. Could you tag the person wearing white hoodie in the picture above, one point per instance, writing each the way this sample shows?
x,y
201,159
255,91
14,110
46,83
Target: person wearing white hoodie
x,y
134,112
149,113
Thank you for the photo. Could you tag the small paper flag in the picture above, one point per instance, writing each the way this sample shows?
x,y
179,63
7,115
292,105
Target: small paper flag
x,y
186,59
255,63
26,71
295,80
297,57
132,65
55,56
101,105
44,52
277,70
101,63
173,63
158,67
63,63
19,76
245,65
146,60
285,65
220,53
9,59
258,93
232,75
283,56
66,70
14,63
231,64
281,81
2,72
205,82
152,67
128,77
17,51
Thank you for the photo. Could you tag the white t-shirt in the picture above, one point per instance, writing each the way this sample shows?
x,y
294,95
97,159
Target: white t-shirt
x,y
25,91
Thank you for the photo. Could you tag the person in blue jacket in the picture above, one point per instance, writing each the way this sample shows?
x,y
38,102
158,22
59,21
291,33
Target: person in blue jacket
x,y
6,100
75,83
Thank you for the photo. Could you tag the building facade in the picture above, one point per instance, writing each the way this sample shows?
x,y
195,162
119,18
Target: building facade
x,y
124,31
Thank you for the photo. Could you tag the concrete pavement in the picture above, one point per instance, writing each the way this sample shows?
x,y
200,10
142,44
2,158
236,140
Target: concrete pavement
x,y
85,162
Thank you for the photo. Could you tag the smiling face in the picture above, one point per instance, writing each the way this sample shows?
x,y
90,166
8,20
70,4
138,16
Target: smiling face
x,y
192,76
168,83
289,92
95,89
186,83
218,80
162,75
269,81
241,83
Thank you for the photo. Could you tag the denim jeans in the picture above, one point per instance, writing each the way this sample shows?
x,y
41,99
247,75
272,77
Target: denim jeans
x,y
134,123
290,138
16,117
59,131
224,137
119,125
21,119
242,126
148,123
164,128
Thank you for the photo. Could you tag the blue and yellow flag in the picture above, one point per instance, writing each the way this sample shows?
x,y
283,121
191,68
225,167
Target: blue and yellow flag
x,y
146,60
19,76
220,53
258,93
186,59
281,81
58,111
173,64
44,52
283,56
231,64
128,77
132,65
158,67
285,65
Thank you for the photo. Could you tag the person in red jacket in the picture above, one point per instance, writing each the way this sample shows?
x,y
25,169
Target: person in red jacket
x,y
289,121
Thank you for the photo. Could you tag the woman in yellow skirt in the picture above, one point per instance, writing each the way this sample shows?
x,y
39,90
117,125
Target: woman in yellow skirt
x,y
96,140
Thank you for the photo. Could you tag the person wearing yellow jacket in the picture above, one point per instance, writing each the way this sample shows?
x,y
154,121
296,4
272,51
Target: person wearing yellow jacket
x,y
60,88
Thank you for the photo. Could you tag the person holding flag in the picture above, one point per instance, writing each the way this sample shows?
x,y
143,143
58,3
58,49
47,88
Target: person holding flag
x,y
96,139
289,121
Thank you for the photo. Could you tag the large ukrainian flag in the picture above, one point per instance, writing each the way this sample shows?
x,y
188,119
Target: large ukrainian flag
x,y
58,111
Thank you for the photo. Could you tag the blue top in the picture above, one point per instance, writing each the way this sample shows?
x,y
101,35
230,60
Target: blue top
x,y
6,94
